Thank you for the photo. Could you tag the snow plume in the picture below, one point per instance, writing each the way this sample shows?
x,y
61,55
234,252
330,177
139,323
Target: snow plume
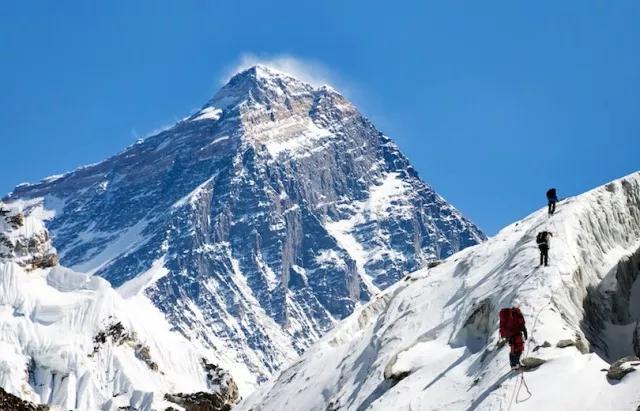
x,y
308,70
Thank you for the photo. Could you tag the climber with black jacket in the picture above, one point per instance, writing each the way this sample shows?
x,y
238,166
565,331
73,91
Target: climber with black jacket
x,y
552,198
543,239
513,329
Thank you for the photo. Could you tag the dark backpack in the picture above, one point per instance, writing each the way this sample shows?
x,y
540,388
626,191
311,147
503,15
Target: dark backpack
x,y
511,322
551,194
541,237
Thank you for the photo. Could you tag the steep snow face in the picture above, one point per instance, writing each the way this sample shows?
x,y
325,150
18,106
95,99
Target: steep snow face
x,y
430,341
70,341
256,223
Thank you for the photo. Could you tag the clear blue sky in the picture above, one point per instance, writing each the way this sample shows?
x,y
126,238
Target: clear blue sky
x,y
492,101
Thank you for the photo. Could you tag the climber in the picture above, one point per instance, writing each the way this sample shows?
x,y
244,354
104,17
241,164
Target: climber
x,y
512,329
543,244
552,198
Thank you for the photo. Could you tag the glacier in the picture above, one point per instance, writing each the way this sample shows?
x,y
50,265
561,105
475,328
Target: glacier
x,y
430,342
255,224
70,341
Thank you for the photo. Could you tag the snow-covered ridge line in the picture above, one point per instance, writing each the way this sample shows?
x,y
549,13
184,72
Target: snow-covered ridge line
x,y
430,341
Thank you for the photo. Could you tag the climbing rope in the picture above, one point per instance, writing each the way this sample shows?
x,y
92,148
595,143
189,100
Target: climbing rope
x,y
517,388
524,383
512,395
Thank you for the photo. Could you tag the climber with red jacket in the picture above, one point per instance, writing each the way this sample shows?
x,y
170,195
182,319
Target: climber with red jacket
x,y
513,329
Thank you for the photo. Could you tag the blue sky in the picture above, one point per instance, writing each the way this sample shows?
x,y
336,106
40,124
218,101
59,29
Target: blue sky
x,y
492,101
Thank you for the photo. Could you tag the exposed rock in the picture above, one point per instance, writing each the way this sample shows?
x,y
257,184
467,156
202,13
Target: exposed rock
x,y
531,363
582,345
34,251
565,343
114,333
9,402
546,344
393,377
620,368
143,354
435,263
117,334
619,373
16,220
396,378
220,380
200,401
44,261
332,407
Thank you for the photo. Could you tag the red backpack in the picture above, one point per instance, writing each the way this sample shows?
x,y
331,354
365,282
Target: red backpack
x,y
511,322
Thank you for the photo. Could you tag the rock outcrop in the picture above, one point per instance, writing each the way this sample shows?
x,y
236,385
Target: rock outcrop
x,y
565,343
30,247
200,401
9,402
531,363
622,367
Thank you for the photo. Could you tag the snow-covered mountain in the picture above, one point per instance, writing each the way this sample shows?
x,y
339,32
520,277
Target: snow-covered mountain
x,y
256,223
72,342
429,342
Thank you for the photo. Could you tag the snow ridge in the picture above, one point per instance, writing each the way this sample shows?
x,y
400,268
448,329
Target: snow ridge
x,y
430,342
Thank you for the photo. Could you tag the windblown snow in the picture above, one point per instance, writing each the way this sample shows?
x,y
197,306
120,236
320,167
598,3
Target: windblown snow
x,y
430,342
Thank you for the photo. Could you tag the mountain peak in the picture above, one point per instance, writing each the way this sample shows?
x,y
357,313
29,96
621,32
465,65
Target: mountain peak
x,y
265,73
261,84
256,223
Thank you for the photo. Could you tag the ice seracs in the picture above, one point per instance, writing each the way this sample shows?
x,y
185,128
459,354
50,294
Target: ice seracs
x,y
68,340
430,342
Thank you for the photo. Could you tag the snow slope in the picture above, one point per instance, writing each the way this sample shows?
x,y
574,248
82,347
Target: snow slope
x,y
429,341
71,341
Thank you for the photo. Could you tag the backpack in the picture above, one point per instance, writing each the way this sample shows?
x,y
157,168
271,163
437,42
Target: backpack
x,y
511,322
551,193
541,237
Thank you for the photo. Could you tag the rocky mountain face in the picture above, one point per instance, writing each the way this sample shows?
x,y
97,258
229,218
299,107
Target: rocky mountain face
x,y
256,223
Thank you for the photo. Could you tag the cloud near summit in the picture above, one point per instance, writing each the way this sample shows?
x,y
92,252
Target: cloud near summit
x,y
310,71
